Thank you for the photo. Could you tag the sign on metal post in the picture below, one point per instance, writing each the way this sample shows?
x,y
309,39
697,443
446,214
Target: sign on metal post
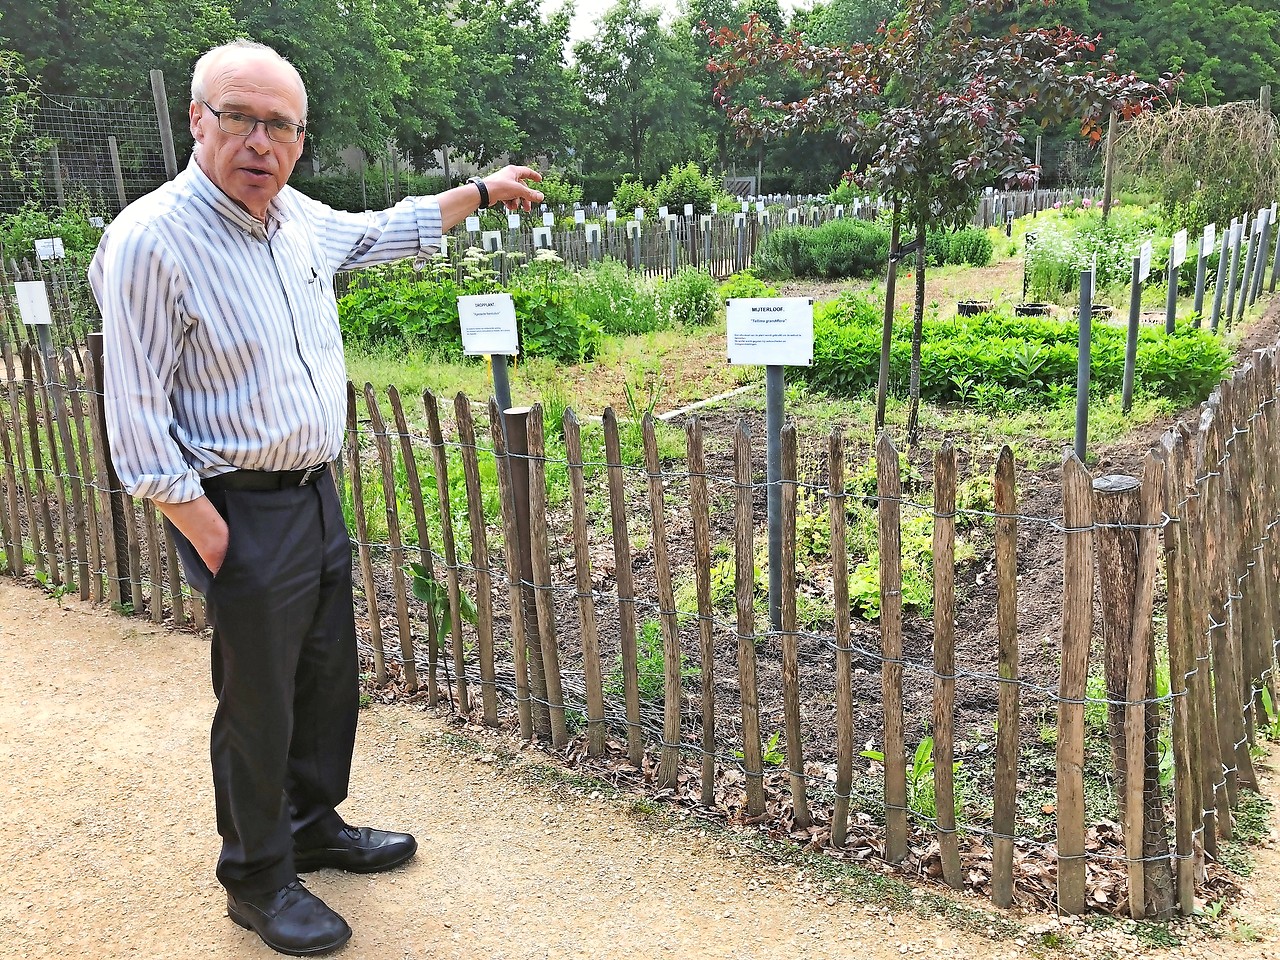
x,y
770,331
542,238
548,219
1144,262
579,217
50,248
488,324
33,303
775,332
1179,254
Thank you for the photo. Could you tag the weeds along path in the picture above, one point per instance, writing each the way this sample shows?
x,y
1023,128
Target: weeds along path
x,y
109,841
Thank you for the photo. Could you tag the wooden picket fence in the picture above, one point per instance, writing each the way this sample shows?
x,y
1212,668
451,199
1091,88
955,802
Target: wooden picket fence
x,y
582,565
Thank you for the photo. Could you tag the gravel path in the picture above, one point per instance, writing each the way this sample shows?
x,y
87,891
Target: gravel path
x,y
109,841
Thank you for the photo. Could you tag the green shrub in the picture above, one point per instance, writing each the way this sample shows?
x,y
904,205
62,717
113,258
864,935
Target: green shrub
x,y
744,285
620,301
850,248
971,246
632,193
19,232
837,248
684,185
558,191
786,253
997,361
689,298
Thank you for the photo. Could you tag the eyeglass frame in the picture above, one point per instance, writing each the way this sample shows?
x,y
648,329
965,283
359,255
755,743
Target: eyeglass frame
x,y
301,128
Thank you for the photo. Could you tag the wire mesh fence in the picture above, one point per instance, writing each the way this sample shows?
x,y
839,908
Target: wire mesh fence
x,y
103,153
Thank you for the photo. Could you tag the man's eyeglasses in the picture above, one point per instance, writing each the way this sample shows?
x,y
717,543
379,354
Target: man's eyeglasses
x,y
243,125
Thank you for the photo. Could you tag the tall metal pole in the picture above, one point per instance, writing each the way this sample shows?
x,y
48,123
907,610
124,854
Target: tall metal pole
x,y
114,150
1082,364
1201,275
1131,340
1228,237
1171,301
774,379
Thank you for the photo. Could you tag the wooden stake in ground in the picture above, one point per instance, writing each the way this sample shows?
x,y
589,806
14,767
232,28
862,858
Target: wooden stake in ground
x,y
843,636
511,553
699,514
1077,629
790,654
441,458
362,538
889,488
479,556
1004,820
745,593
625,586
669,767
586,602
944,659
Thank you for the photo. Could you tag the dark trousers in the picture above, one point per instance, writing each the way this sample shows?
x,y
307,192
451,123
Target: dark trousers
x,y
285,675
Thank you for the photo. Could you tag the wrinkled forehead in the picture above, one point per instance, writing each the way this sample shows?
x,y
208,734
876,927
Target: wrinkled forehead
x,y
246,73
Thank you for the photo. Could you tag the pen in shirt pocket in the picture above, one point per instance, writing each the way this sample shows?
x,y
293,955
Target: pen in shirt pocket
x,y
314,276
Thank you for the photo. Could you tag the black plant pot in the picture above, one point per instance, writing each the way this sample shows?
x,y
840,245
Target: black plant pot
x,y
971,308
1033,309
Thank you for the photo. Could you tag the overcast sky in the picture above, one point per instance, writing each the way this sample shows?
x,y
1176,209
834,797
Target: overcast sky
x,y
589,11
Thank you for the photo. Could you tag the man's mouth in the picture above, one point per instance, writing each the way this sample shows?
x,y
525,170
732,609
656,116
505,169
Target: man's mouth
x,y
257,173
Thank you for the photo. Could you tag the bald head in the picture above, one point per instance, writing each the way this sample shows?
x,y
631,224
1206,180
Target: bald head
x,y
240,55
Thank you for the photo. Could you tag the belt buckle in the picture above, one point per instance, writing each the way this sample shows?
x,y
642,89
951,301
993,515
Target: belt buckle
x,y
310,472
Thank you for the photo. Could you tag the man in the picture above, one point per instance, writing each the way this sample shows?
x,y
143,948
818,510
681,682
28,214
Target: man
x,y
226,401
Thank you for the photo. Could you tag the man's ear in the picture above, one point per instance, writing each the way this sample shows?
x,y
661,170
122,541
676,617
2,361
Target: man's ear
x,y
194,113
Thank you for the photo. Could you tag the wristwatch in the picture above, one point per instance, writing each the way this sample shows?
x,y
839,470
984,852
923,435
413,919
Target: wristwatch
x,y
484,191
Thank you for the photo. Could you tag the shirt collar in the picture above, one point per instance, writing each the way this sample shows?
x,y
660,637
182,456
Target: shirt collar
x,y
215,197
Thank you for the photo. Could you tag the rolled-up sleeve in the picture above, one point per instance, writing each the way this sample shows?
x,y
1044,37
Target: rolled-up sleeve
x,y
139,288
412,228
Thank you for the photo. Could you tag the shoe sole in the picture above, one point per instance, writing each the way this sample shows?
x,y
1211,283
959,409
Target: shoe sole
x,y
312,864
289,951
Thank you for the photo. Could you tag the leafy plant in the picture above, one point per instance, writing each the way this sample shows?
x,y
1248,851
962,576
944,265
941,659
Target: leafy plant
x,y
686,185
920,788
619,301
744,285
771,754
434,595
1271,729
651,665
689,298
632,193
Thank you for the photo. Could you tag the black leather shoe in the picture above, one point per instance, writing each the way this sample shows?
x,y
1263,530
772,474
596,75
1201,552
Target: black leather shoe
x,y
292,920
357,850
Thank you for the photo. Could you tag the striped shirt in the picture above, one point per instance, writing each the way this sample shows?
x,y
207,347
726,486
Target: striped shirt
x,y
221,342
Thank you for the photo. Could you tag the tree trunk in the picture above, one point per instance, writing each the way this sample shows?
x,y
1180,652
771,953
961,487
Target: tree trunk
x,y
886,338
917,334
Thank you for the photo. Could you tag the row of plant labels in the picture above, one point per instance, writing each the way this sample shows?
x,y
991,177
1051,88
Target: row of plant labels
x,y
762,331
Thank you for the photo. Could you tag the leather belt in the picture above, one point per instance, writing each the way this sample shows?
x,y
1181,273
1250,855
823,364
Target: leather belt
x,y
265,479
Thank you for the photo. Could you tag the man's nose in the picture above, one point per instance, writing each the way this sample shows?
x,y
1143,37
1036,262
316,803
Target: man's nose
x,y
257,140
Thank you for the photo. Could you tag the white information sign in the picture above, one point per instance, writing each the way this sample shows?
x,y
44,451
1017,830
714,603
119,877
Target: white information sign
x,y
745,206
541,237
793,215
662,213
50,248
739,220
770,331
33,303
98,222
1210,238
592,231
706,222
548,219
839,209
611,215
579,216
759,206
633,228
640,214
715,208
473,224
688,209
1179,252
1144,262
488,325
513,221
491,240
